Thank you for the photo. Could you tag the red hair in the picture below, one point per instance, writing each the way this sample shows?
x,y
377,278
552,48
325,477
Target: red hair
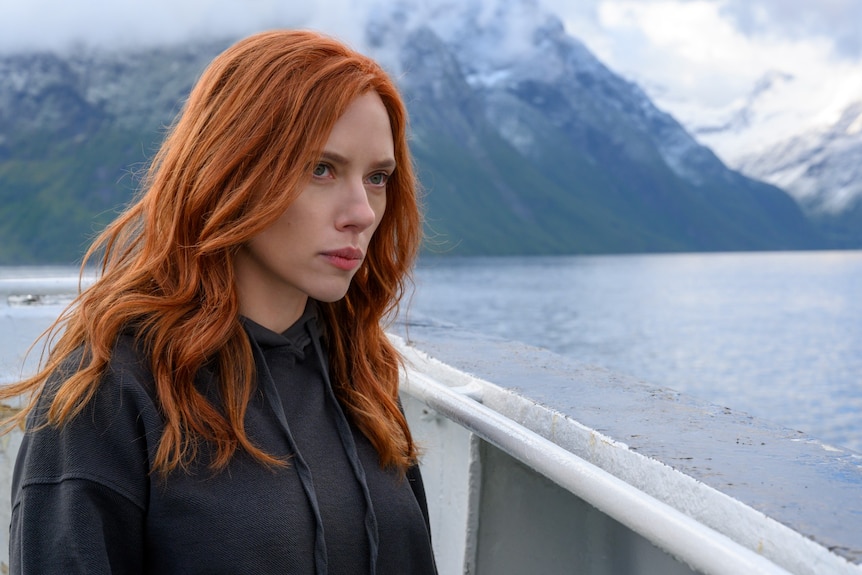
x,y
239,153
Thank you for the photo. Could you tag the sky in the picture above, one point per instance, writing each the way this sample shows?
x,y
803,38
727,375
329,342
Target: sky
x,y
698,59
702,59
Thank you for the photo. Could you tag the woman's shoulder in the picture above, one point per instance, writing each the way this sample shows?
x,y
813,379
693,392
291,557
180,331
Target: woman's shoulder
x,y
130,360
124,385
111,440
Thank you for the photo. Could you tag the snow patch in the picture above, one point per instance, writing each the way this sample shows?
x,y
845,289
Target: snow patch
x,y
855,127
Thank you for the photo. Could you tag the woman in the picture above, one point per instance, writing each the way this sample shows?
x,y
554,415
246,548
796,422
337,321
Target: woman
x,y
223,399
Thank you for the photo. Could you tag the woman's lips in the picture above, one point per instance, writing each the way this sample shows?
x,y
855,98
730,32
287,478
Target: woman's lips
x,y
346,259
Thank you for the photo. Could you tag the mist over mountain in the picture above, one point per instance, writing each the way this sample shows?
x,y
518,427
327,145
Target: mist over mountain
x,y
822,169
525,143
817,160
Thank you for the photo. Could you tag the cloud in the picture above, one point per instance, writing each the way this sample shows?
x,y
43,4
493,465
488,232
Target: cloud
x,y
838,20
714,51
56,24
702,60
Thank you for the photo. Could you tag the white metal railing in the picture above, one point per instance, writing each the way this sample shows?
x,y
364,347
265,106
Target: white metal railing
x,y
691,542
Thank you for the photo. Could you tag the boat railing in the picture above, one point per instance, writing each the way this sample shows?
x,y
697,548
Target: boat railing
x,y
702,548
698,488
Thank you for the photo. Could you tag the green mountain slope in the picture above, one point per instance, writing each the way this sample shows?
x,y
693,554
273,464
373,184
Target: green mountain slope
x,y
57,193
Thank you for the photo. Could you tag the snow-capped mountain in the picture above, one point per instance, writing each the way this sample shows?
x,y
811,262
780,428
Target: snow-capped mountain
x,y
140,88
748,123
524,141
505,47
821,168
508,68
772,135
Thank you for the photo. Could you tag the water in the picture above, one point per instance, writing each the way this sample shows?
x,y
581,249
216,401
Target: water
x,y
21,325
777,335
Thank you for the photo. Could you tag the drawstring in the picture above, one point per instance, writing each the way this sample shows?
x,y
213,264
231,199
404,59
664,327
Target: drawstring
x,y
350,447
302,469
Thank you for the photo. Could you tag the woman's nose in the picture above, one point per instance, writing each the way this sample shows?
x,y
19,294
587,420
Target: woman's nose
x,y
358,210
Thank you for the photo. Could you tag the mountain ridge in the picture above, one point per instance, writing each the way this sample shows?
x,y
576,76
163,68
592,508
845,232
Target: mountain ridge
x,y
822,170
815,159
542,151
597,118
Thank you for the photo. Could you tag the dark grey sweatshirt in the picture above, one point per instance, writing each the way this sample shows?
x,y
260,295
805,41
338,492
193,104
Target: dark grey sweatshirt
x,y
84,500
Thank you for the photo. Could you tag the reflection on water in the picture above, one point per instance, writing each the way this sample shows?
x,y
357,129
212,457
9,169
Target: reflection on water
x,y
778,335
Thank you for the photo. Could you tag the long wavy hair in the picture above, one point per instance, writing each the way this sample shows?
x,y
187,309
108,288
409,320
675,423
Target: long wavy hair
x,y
239,153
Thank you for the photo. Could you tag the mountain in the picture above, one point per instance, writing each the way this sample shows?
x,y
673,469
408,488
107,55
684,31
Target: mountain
x,y
518,123
822,169
748,122
75,129
524,141
816,159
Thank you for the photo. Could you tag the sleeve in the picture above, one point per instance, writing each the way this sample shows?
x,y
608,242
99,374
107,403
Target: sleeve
x,y
80,492
75,526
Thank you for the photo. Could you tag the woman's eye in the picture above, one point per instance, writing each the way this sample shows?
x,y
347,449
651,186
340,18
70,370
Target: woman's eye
x,y
321,170
378,179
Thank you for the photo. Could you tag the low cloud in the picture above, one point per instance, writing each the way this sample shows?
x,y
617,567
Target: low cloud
x,y
839,20
58,24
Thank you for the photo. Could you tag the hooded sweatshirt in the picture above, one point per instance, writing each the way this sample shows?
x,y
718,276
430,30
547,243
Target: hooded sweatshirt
x,y
84,499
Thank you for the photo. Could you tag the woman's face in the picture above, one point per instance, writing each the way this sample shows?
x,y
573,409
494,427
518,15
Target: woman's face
x,y
318,243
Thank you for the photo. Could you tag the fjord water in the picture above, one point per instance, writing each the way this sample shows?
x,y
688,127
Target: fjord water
x,y
775,334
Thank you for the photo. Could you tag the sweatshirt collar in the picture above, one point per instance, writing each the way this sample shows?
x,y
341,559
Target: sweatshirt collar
x,y
294,339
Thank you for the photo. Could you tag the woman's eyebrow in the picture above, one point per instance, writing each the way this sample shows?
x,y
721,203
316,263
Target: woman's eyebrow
x,y
336,158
